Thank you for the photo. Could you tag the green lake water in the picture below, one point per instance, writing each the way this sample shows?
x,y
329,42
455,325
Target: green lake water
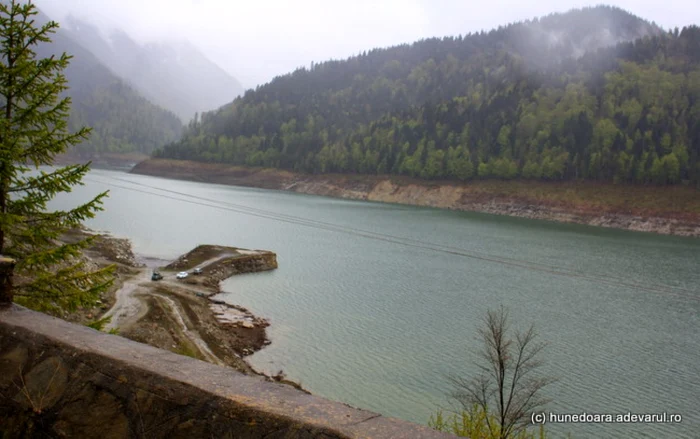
x,y
376,304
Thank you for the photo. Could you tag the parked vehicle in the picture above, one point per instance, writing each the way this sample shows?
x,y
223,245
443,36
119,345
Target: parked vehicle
x,y
182,275
197,271
156,276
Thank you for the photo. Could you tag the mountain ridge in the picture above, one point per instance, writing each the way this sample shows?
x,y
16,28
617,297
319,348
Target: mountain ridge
x,y
496,104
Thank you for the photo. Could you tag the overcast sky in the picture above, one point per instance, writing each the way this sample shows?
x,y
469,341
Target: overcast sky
x,y
259,39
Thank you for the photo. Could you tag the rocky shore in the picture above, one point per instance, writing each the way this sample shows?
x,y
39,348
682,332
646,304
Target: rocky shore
x,y
665,210
180,315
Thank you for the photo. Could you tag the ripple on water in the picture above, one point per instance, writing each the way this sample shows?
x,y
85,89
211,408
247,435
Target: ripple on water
x,y
380,325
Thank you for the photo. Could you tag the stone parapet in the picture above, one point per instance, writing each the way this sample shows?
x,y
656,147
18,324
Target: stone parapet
x,y
61,379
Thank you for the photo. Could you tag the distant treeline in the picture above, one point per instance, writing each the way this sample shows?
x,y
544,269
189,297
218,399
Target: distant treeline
x,y
511,103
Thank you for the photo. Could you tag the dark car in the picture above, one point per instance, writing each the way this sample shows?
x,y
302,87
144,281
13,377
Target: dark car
x,y
197,271
156,276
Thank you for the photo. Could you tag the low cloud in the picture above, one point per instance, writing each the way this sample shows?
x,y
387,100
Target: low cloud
x,y
258,40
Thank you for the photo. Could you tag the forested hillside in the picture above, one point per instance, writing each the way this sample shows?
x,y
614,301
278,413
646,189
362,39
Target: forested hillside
x,y
121,119
591,94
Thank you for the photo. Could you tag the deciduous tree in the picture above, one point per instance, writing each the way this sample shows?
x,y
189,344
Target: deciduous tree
x,y
509,386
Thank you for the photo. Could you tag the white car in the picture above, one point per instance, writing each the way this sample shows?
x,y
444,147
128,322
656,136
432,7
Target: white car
x,y
181,275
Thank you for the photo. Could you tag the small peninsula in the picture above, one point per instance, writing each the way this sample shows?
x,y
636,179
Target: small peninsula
x,y
180,315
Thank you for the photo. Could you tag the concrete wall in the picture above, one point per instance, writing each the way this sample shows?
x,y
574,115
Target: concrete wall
x,y
60,379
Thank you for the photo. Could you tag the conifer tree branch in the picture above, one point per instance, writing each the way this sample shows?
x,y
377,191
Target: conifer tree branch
x,y
33,130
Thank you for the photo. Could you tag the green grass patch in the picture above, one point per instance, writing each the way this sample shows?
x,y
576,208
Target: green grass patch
x,y
187,349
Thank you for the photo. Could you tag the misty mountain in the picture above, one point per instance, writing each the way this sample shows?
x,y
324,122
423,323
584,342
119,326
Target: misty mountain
x,y
545,42
176,76
121,119
543,99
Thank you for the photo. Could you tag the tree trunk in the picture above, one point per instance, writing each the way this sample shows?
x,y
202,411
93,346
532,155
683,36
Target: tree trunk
x,y
7,267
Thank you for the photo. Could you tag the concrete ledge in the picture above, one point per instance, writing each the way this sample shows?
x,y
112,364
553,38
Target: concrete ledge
x,y
60,379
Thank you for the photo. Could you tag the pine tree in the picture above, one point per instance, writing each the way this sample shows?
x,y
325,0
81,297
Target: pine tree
x,y
33,129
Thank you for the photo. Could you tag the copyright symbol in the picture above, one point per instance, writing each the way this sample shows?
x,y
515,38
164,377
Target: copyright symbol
x,y
538,418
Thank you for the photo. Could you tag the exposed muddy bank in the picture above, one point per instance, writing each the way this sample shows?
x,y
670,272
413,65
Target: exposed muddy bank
x,y
180,315
639,208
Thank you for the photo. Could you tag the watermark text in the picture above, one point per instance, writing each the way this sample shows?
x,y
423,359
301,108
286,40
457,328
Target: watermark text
x,y
541,418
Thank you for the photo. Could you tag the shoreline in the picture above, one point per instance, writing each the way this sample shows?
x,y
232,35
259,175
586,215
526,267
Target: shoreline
x,y
217,264
184,316
213,330
663,210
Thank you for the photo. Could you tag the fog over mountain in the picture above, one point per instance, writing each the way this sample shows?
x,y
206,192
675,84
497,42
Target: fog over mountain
x,y
174,74
255,41
594,93
122,120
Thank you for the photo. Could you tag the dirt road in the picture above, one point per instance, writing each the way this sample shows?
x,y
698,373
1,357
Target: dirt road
x,y
128,308
174,314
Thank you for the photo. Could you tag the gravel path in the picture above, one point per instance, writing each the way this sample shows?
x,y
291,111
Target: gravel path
x,y
129,308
